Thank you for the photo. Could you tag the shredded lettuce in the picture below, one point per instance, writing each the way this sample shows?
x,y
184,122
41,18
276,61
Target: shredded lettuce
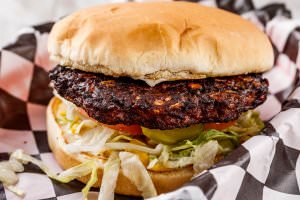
x,y
93,179
185,148
201,157
15,190
214,135
129,146
88,167
179,163
110,176
153,161
204,156
92,141
208,144
248,124
24,158
140,178
111,171
16,165
66,176
227,142
85,124
8,175
120,138
80,170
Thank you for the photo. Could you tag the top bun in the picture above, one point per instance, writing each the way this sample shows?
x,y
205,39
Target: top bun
x,y
160,41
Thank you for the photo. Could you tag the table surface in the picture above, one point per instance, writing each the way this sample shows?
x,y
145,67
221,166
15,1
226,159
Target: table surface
x,y
16,14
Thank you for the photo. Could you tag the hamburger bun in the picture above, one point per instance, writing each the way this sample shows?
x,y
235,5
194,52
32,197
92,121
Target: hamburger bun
x,y
179,40
163,181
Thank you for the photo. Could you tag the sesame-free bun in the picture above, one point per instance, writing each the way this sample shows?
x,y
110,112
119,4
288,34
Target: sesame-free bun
x,y
160,41
163,181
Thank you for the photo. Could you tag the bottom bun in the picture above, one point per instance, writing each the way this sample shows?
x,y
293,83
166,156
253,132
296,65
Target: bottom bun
x,y
163,181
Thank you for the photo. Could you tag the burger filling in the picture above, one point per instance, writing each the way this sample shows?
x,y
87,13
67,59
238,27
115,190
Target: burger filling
x,y
129,125
198,145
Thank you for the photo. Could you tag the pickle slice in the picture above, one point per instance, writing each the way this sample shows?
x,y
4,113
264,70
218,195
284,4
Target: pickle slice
x,y
173,136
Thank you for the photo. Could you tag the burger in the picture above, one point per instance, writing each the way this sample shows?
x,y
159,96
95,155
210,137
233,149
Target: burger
x,y
153,93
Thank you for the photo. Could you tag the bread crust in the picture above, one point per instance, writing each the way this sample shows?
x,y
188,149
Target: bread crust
x,y
160,41
163,181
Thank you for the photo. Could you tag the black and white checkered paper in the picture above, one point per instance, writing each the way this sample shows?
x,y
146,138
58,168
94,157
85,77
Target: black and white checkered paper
x,y
265,167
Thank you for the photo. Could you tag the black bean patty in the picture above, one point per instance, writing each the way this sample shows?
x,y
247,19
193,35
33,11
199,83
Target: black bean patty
x,y
168,105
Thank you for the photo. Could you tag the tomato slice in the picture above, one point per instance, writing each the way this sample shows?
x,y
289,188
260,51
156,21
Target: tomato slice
x,y
131,129
218,126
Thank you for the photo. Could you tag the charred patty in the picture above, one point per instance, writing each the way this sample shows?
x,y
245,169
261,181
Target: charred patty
x,y
168,105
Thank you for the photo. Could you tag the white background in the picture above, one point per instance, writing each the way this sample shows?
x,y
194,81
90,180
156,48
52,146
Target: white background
x,y
16,14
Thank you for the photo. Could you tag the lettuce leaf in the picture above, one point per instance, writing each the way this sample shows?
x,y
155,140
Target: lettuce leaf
x,y
92,141
72,173
15,190
226,141
128,146
140,178
248,124
204,156
180,154
88,167
110,176
93,179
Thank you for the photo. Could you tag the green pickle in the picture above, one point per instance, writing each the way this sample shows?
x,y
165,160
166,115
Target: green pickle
x,y
173,136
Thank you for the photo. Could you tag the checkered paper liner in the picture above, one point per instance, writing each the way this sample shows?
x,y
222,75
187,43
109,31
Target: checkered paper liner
x,y
265,167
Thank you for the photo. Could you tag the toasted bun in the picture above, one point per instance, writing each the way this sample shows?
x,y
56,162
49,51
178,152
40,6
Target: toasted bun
x,y
160,41
163,181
